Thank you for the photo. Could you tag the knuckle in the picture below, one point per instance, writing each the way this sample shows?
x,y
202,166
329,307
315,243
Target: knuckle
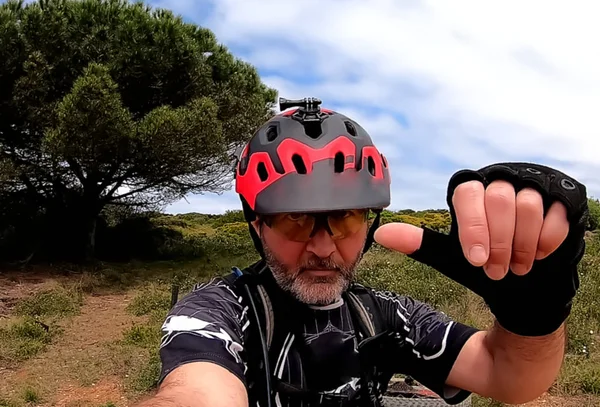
x,y
476,229
500,192
470,188
500,196
530,203
523,254
499,253
529,195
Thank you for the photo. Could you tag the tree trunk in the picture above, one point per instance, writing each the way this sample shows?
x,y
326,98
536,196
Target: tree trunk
x,y
90,237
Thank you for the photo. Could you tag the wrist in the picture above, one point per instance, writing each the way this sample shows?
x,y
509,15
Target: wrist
x,y
532,320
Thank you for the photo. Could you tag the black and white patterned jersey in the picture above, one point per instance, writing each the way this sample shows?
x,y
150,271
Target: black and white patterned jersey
x,y
211,324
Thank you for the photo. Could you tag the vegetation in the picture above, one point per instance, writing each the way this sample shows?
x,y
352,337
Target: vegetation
x,y
109,110
107,103
201,246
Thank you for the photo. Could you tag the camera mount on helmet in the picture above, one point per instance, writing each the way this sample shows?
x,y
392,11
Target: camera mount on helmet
x,y
309,109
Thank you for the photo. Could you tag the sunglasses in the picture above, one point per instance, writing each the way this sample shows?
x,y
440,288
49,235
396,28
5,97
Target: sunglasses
x,y
301,227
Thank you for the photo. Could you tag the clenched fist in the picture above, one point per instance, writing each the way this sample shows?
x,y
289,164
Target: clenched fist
x,y
498,228
516,238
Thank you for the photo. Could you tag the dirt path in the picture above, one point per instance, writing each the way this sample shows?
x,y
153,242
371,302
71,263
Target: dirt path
x,y
80,369
17,285
76,370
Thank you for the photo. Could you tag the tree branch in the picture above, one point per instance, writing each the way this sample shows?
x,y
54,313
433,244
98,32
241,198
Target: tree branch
x,y
76,168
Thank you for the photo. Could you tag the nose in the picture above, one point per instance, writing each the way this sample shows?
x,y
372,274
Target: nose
x,y
321,244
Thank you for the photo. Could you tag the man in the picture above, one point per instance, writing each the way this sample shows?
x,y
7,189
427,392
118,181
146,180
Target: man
x,y
312,186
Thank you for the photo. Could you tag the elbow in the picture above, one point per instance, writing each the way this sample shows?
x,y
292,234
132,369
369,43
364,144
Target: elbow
x,y
520,394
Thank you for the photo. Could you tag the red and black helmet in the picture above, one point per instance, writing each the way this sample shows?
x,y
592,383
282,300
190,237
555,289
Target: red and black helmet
x,y
311,159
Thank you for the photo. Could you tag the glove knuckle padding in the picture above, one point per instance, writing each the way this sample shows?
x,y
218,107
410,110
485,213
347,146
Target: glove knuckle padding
x,y
537,303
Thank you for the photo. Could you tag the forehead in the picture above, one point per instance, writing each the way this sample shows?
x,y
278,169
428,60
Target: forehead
x,y
320,213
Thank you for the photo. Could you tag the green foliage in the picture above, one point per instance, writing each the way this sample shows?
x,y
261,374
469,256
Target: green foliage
x,y
23,339
145,376
31,395
112,102
145,336
150,300
594,218
228,217
438,220
58,302
584,322
395,272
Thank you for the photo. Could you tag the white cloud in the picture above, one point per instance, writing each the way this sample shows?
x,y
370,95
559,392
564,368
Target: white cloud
x,y
208,203
479,82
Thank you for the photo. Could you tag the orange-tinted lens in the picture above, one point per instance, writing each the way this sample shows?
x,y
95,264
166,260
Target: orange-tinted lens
x,y
300,227
345,223
294,226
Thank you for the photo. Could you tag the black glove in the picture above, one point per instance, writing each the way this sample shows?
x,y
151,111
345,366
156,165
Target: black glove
x,y
539,302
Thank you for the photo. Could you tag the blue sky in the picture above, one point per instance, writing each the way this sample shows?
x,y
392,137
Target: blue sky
x,y
440,86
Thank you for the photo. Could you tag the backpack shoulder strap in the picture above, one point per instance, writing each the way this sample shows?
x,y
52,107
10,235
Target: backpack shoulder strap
x,y
366,310
249,278
260,312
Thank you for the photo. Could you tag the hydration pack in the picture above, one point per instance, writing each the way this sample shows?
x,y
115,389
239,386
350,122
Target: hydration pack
x,y
272,320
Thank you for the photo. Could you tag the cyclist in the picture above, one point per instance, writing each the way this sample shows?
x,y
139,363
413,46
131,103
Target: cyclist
x,y
295,329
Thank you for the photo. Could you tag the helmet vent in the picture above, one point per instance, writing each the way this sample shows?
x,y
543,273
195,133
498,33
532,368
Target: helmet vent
x,y
384,161
371,165
262,171
350,128
312,129
272,133
299,164
338,162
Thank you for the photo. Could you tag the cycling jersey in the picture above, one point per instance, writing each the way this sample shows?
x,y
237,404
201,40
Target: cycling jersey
x,y
212,324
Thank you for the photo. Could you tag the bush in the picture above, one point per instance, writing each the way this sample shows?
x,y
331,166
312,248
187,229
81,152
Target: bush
x,y
149,300
594,219
395,272
58,302
23,339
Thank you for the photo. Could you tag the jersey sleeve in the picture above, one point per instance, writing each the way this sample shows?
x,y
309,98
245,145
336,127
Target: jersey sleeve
x,y
428,342
208,324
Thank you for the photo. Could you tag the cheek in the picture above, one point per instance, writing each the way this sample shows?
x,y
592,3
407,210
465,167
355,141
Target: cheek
x,y
350,247
286,251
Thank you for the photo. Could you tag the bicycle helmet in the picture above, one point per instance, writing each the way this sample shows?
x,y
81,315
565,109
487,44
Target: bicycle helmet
x,y
311,159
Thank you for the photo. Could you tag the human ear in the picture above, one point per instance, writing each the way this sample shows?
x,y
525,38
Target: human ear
x,y
256,224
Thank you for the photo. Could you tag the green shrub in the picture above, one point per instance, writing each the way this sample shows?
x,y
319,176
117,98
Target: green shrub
x,y
24,339
144,336
594,218
56,302
395,272
150,300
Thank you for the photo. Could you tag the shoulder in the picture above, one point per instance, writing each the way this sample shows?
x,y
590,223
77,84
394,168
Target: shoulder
x,y
207,324
214,297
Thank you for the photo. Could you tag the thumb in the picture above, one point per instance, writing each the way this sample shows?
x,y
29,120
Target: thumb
x,y
437,250
402,237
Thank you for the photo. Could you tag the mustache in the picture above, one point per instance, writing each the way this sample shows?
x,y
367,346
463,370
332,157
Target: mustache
x,y
319,263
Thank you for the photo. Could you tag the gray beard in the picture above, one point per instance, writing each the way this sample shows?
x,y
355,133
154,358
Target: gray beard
x,y
311,289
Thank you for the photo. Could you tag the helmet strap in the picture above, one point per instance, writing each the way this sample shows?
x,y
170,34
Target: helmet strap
x,y
372,229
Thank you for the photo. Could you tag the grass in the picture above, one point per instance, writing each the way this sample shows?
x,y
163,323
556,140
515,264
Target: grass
x,y
57,302
134,356
137,351
36,323
30,395
23,339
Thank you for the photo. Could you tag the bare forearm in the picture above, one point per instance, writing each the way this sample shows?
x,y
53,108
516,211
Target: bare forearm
x,y
162,400
199,384
184,399
523,367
